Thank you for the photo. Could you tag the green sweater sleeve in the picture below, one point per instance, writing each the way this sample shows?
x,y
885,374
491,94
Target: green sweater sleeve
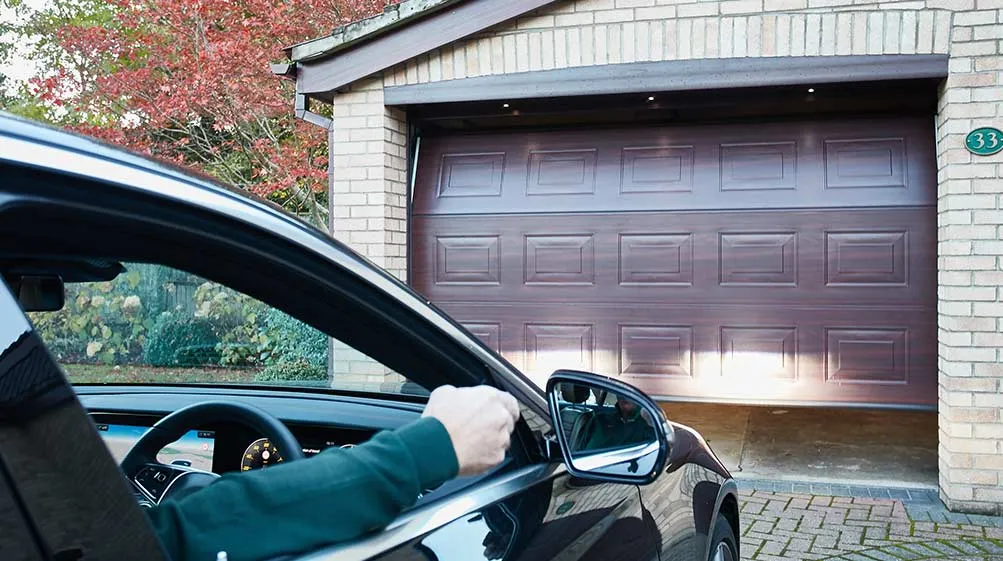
x,y
337,495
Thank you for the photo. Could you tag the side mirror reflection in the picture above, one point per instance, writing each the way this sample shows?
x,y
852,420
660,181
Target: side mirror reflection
x,y
608,430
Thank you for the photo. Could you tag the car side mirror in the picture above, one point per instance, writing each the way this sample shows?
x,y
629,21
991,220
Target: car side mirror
x,y
39,293
608,430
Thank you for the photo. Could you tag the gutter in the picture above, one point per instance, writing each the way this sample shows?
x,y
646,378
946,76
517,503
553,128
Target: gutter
x,y
302,102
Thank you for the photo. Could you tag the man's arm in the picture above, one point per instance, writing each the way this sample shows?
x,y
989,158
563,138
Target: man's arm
x,y
298,506
339,495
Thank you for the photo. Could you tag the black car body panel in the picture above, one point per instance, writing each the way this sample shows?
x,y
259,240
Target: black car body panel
x,y
529,508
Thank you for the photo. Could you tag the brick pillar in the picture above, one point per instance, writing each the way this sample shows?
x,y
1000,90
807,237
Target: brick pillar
x,y
368,204
970,250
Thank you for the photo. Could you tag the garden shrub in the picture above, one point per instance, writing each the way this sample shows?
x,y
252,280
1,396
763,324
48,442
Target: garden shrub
x,y
295,369
171,333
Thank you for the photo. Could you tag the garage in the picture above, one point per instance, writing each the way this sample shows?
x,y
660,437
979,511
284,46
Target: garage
x,y
783,262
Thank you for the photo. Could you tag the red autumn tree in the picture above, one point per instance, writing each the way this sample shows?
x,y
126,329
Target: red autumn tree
x,y
189,81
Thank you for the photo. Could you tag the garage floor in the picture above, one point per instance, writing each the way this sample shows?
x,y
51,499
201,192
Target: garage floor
x,y
891,448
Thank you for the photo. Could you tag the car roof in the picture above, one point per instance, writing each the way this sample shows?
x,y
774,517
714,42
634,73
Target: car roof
x,y
237,203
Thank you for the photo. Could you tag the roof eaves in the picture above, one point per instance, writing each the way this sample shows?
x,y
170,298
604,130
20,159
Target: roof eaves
x,y
393,16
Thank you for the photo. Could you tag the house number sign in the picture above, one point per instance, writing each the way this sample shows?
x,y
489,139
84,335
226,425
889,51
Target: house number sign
x,y
984,141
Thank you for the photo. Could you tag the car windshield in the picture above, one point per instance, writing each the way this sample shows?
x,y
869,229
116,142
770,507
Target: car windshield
x,y
157,325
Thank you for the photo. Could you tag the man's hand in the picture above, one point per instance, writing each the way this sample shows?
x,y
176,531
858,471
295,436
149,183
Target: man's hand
x,y
479,421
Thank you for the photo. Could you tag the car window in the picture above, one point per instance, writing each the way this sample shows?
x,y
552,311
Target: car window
x,y
153,324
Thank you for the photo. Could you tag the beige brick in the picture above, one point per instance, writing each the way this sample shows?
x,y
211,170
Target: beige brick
x,y
973,263
783,35
797,35
988,278
942,32
969,384
740,41
713,39
769,38
657,12
684,42
981,17
989,4
574,47
954,247
671,33
699,37
972,354
634,3
959,430
954,308
657,40
828,38
972,445
813,35
969,293
987,217
875,31
987,94
741,6
975,48
988,63
536,22
924,34
957,399
987,248
968,232
754,34
845,33
949,368
892,33
784,5
698,10
988,370
975,478
725,37
988,399
988,461
522,52
956,5
600,37
954,278
987,309
988,339
960,34
908,38
579,18
593,5
614,44
642,41
976,79
990,495
613,16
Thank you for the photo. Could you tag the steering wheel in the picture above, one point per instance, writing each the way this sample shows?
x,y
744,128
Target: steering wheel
x,y
156,481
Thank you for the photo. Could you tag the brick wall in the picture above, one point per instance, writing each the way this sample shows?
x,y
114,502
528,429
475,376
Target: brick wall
x,y
369,180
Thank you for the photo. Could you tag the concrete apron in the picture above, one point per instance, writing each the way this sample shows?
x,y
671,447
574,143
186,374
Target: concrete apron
x,y
880,448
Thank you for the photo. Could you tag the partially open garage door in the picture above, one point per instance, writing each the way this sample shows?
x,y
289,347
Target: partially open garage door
x,y
772,262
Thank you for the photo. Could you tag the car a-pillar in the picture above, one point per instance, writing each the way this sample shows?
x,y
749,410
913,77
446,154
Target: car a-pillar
x,y
961,376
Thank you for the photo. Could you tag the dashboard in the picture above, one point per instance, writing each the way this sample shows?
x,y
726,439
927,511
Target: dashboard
x,y
222,448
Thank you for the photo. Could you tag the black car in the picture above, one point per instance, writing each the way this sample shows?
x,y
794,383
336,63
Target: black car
x,y
249,338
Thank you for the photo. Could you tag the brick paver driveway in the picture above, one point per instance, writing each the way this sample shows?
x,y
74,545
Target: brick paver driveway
x,y
796,526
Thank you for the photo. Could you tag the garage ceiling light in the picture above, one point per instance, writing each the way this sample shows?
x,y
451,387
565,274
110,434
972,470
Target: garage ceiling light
x,y
811,90
651,98
505,106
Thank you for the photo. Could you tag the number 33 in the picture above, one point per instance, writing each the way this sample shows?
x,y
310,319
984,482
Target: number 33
x,y
979,141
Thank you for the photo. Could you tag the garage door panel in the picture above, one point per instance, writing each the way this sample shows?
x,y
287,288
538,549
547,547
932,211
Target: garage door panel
x,y
846,257
779,165
779,262
740,353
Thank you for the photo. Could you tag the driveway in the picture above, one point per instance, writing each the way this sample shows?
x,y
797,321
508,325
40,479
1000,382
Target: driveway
x,y
824,521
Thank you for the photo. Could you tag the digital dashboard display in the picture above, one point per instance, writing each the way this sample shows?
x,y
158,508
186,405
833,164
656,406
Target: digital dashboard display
x,y
194,449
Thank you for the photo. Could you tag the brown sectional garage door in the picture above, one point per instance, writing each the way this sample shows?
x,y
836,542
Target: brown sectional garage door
x,y
778,262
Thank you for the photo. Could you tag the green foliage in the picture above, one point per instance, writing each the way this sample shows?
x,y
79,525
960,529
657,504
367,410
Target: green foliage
x,y
102,322
253,334
181,341
290,370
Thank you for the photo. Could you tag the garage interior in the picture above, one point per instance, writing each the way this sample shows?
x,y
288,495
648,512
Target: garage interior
x,y
761,260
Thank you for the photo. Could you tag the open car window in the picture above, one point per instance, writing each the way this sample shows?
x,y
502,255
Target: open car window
x,y
153,324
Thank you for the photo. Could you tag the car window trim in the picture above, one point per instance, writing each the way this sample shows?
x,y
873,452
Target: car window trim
x,y
67,161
